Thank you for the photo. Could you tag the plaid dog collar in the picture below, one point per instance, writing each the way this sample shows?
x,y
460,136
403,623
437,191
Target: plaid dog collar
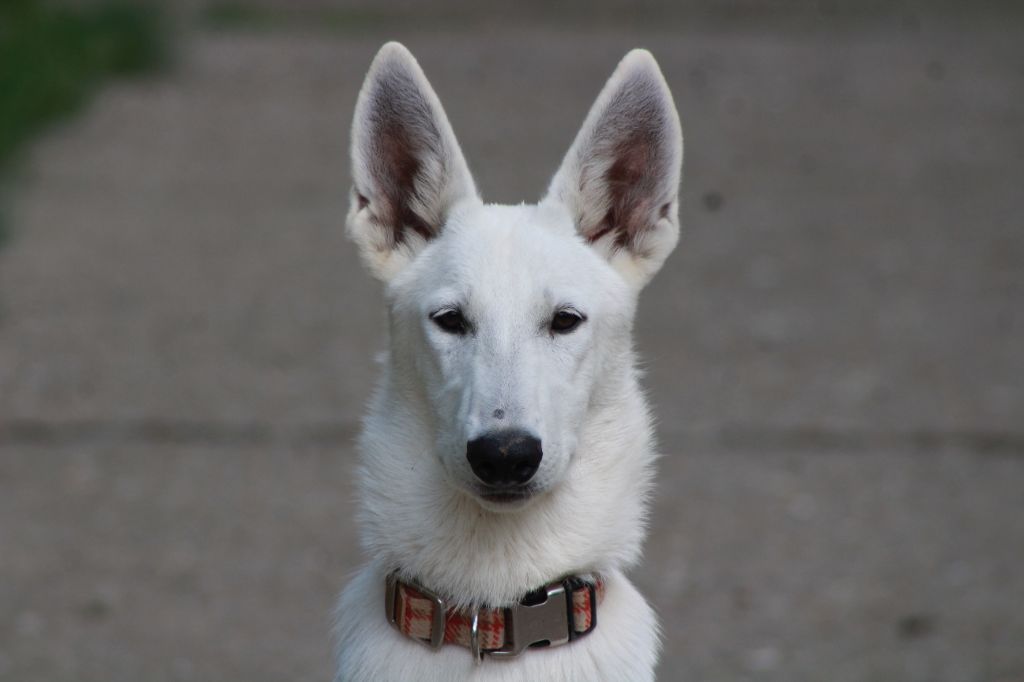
x,y
554,615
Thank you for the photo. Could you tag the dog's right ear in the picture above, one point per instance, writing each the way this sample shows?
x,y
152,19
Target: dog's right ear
x,y
407,169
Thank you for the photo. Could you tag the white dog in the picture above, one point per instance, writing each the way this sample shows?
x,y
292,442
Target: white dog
x,y
507,454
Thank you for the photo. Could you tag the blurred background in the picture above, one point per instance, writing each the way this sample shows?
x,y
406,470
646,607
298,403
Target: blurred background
x,y
834,352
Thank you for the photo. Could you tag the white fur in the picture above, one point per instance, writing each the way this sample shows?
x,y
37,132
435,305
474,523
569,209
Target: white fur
x,y
605,227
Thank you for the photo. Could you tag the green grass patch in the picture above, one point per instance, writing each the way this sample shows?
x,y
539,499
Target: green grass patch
x,y
52,57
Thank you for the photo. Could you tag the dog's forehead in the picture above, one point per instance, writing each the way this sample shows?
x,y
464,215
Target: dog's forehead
x,y
505,251
509,261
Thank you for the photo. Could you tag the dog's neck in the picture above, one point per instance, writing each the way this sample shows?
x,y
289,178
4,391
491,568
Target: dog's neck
x,y
414,520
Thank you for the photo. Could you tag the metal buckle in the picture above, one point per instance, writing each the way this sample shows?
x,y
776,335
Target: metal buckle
x,y
474,637
437,620
545,624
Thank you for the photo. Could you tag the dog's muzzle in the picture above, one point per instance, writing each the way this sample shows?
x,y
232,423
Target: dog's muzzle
x,y
556,614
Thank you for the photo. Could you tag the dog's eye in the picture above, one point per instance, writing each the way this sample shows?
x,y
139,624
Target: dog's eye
x,y
451,321
565,321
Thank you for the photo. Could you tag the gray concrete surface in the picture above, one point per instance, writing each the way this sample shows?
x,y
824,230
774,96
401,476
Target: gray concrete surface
x,y
186,341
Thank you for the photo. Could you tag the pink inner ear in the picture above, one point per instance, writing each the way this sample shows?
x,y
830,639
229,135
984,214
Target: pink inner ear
x,y
630,187
398,167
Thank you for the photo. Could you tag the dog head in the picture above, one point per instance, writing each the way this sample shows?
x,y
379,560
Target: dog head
x,y
512,323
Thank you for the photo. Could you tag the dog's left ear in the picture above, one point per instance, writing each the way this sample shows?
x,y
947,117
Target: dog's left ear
x,y
620,179
407,169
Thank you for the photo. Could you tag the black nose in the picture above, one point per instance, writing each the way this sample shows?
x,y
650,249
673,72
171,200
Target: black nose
x,y
504,458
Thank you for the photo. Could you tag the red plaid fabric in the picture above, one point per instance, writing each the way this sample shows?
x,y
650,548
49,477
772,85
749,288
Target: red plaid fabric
x,y
415,613
582,609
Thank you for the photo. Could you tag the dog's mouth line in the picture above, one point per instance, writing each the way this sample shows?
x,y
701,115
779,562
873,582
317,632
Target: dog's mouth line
x,y
506,496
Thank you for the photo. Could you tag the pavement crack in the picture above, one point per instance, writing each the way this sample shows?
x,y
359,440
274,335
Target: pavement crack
x,y
44,433
731,437
752,437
